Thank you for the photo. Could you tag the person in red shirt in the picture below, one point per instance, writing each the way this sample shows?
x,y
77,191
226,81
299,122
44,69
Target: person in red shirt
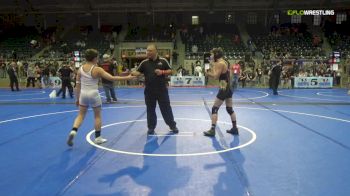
x,y
108,86
235,72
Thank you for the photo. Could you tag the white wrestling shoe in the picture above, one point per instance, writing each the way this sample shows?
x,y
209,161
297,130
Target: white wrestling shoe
x,y
100,140
71,137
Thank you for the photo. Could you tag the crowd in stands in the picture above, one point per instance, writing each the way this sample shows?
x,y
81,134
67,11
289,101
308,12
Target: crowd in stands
x,y
80,39
16,42
340,43
287,41
154,33
35,74
302,52
201,39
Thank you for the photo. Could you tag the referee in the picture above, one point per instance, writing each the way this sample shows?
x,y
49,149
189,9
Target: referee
x,y
65,73
155,69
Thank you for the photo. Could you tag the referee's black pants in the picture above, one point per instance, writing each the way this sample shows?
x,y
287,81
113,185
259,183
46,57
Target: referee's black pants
x,y
14,81
66,84
275,80
151,98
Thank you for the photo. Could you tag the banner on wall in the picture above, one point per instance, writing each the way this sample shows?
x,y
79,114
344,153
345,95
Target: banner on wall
x,y
140,52
313,82
187,81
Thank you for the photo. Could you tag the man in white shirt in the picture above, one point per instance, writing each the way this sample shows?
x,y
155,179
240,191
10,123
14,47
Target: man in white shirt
x,y
198,70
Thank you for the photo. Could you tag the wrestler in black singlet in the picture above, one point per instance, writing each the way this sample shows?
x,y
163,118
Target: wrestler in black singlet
x,y
225,90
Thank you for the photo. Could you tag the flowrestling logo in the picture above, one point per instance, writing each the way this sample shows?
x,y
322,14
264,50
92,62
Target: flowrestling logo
x,y
310,12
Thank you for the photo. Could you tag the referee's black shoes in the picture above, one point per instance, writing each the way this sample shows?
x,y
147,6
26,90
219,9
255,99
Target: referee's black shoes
x,y
150,132
174,129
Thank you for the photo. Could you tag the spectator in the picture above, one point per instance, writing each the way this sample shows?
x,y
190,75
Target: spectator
x,y
31,75
13,75
194,49
243,78
199,70
108,85
46,76
38,75
235,72
259,75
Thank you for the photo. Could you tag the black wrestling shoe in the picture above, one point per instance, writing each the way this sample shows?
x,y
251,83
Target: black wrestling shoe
x,y
174,129
233,131
210,133
150,132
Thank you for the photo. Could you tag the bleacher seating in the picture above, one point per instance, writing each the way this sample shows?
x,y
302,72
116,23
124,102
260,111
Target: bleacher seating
x,y
17,41
285,42
216,35
156,33
340,43
77,40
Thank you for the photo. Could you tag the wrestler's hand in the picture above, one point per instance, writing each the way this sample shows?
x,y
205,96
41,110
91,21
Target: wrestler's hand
x,y
131,77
